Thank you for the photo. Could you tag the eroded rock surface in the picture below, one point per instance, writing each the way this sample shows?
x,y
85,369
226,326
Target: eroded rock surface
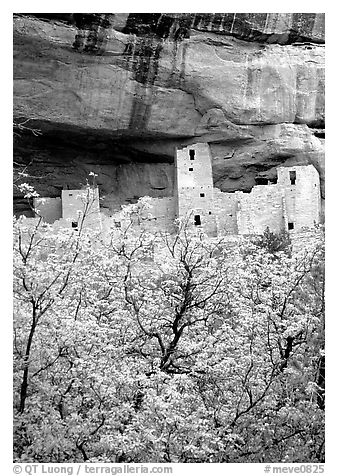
x,y
115,94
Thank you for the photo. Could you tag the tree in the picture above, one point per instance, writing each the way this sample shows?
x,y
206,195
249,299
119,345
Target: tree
x,y
274,242
138,347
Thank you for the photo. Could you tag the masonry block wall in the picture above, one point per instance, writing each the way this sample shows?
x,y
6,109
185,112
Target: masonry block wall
x,y
160,215
75,203
194,187
226,208
260,208
301,189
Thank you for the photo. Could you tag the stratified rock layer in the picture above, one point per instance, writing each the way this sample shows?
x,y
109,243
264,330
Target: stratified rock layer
x,y
115,94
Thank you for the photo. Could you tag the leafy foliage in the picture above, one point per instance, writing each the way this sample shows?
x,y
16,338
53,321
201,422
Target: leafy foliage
x,y
135,347
274,242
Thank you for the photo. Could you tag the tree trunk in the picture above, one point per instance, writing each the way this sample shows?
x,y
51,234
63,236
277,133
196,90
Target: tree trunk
x,y
24,383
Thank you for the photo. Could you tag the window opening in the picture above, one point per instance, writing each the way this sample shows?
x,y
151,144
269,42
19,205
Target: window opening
x,y
209,213
192,154
292,177
290,226
261,181
202,195
197,220
74,224
190,169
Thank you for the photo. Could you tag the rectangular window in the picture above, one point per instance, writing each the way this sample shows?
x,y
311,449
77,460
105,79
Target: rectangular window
x,y
197,220
290,226
261,181
292,177
191,169
202,195
192,154
74,224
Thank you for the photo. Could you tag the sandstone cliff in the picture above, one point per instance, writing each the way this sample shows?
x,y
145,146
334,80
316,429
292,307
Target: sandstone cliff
x,y
115,94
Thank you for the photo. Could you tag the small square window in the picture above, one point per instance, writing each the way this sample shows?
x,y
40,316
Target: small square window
x,y
209,213
197,219
190,169
70,194
74,224
202,195
290,226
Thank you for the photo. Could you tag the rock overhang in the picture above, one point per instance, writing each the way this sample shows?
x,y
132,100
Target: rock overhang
x,y
135,107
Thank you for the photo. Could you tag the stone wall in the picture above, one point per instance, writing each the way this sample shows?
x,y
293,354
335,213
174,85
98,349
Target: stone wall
x,y
194,187
260,208
226,209
302,198
160,215
152,215
292,204
76,203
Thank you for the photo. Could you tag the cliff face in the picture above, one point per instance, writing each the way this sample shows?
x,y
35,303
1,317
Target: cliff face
x,y
115,94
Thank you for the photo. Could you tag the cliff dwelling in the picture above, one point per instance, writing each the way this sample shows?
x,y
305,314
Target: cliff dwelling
x,y
291,203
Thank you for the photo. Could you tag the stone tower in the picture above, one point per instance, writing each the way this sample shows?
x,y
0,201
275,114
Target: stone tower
x,y
194,187
302,201
79,203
